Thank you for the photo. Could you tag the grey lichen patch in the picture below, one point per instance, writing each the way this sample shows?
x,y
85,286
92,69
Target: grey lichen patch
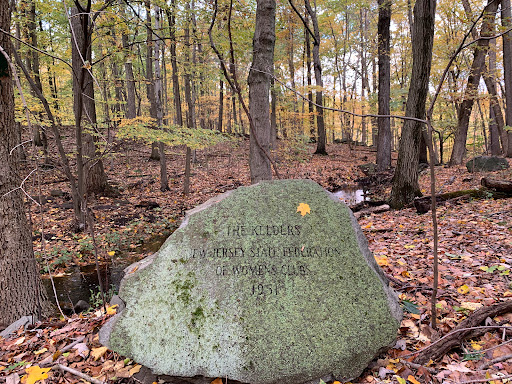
x,y
261,294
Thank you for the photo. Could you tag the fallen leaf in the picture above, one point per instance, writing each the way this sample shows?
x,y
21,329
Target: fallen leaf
x,y
82,350
412,379
463,289
217,381
470,305
40,351
111,310
96,353
303,208
34,374
111,253
135,369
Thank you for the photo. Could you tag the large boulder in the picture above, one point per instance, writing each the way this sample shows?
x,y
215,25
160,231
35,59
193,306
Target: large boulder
x,y
486,164
271,283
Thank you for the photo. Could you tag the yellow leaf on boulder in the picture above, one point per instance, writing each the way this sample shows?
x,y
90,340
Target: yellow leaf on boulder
x,y
111,310
303,209
34,374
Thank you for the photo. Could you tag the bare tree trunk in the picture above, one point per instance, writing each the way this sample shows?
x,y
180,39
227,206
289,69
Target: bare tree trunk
x,y
259,86
164,182
221,105
384,123
320,124
171,15
364,73
405,181
311,109
92,174
21,289
506,21
150,81
291,72
273,114
131,109
464,112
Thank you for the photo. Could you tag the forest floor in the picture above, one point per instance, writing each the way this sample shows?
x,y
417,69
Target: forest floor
x,y
475,251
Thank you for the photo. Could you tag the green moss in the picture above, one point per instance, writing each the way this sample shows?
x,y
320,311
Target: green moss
x,y
300,301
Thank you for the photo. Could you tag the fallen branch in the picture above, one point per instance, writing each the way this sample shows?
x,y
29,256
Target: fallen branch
x,y
498,185
367,211
79,374
410,364
467,328
488,380
49,360
494,361
422,204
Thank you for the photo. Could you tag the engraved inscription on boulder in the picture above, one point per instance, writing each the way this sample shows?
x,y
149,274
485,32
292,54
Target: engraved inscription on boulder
x,y
268,283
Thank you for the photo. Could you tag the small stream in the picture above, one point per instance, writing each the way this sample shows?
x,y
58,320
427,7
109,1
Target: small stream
x,y
351,195
82,281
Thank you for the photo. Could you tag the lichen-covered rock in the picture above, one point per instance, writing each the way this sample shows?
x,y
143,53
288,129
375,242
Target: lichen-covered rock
x,y
486,164
265,284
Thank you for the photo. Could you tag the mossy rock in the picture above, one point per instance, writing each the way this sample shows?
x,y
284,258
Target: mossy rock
x,y
486,164
271,283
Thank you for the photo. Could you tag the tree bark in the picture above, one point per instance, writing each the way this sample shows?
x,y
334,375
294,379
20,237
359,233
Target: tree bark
x,y
84,106
320,124
384,123
259,86
131,109
464,112
171,14
405,181
21,290
506,22
311,108
221,105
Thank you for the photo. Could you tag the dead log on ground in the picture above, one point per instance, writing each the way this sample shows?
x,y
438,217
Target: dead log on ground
x,y
466,329
367,211
504,186
423,204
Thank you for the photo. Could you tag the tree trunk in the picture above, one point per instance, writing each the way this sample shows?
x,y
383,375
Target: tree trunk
x,y
384,123
171,14
311,109
464,112
506,22
21,290
131,109
273,114
164,182
92,174
364,73
320,124
405,181
221,105
291,72
259,86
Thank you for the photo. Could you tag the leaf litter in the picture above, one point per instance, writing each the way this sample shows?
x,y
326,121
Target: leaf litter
x,y
475,251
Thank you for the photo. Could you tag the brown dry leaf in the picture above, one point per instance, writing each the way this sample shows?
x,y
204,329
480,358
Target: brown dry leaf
x,y
217,381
